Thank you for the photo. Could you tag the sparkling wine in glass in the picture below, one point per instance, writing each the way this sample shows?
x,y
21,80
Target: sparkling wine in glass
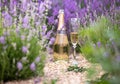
x,y
74,34
74,37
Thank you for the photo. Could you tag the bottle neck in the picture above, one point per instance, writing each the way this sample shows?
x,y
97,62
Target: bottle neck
x,y
61,25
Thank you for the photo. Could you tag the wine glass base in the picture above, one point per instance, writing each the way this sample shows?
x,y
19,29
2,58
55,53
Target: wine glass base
x,y
72,60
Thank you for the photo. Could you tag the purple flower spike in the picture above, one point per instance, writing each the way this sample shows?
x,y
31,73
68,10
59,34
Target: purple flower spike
x,y
48,34
2,40
33,66
118,58
19,66
99,44
51,20
44,27
7,20
50,42
41,8
24,49
52,39
26,22
22,37
0,4
43,33
24,5
25,19
37,59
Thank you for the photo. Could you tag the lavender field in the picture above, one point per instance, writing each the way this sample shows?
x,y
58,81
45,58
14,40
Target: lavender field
x,y
28,30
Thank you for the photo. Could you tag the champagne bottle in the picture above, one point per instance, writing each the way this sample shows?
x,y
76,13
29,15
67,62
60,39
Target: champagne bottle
x,y
61,45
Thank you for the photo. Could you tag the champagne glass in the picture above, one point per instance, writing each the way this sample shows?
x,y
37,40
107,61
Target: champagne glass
x,y
75,23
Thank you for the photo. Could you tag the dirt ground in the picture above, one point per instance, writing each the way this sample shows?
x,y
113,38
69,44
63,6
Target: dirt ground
x,y
58,71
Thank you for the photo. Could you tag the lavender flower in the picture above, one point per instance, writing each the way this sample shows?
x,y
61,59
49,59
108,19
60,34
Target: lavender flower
x,y
50,43
37,59
44,27
26,22
51,20
12,6
25,25
32,66
24,5
19,66
22,37
99,44
41,8
43,33
48,34
0,4
7,20
24,49
48,4
2,40
51,40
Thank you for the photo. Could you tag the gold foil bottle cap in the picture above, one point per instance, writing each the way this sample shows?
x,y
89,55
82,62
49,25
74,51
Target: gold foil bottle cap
x,y
61,11
61,20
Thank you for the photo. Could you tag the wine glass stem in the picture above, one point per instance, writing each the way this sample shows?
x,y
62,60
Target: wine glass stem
x,y
74,53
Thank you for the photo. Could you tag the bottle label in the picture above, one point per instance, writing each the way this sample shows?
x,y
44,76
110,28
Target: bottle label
x,y
61,31
61,52
58,48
